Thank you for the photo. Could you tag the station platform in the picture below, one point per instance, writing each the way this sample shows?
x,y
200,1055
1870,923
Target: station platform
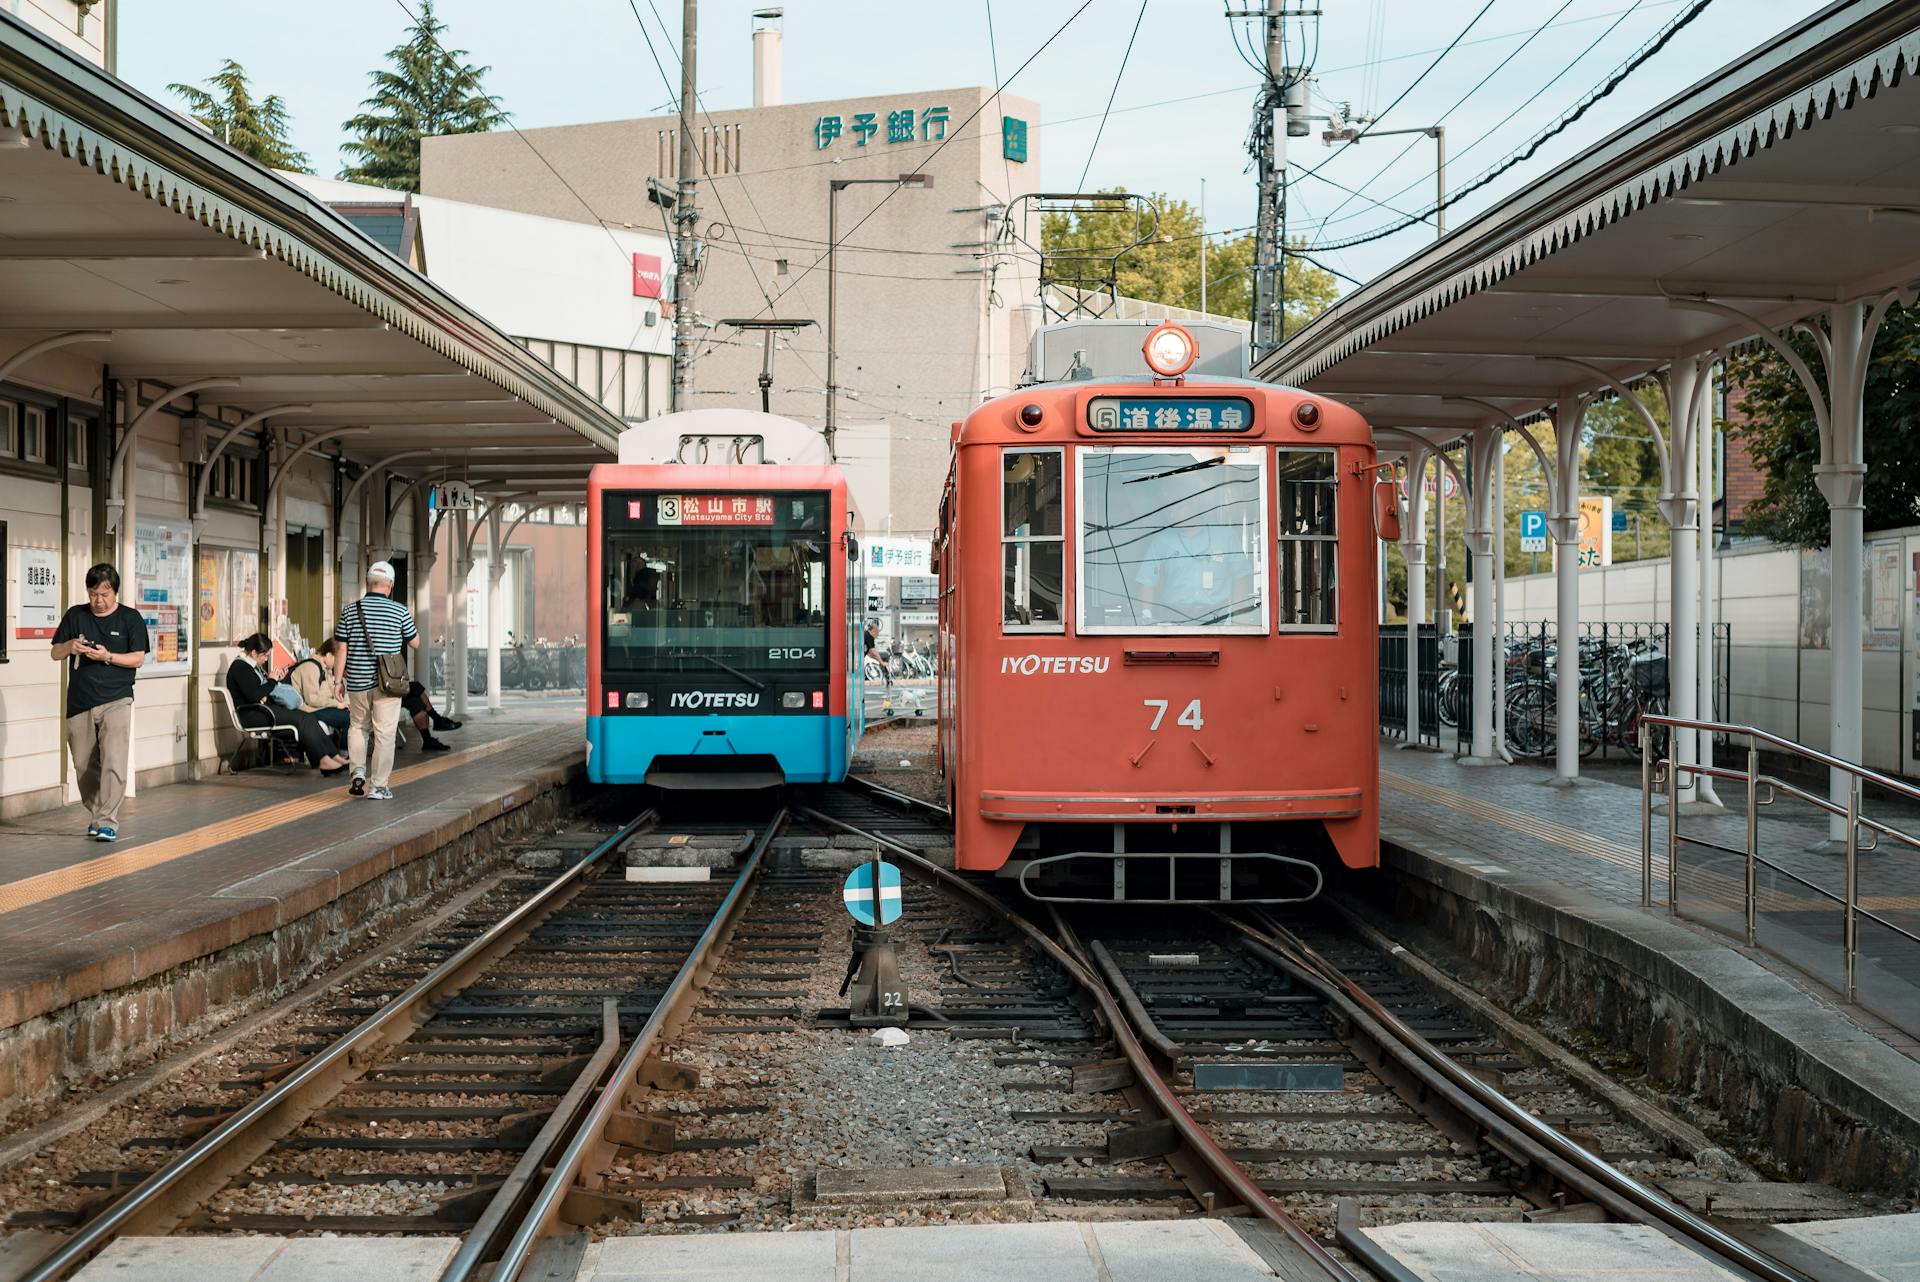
x,y
235,885
1540,883
1867,1249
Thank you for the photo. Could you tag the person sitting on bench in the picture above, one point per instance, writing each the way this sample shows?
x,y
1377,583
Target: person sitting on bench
x,y
320,691
251,684
426,718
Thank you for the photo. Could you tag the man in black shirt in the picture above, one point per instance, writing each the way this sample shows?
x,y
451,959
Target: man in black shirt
x,y
106,642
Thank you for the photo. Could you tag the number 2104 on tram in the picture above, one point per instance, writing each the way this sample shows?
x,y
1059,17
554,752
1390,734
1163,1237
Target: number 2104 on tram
x,y
1158,636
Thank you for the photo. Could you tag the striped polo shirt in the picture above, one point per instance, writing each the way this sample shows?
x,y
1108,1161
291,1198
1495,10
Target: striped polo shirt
x,y
391,626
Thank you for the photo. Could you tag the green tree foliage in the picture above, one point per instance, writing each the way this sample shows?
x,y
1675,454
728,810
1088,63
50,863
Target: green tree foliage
x,y
426,91
1166,269
257,129
1785,442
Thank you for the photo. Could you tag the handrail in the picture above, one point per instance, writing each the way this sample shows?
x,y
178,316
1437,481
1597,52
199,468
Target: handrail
x,y
1665,774
1800,749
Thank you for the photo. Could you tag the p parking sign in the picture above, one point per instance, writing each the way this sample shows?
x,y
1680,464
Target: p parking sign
x,y
1533,531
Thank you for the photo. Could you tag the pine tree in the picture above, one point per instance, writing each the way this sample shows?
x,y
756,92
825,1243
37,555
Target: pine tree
x,y
257,130
427,91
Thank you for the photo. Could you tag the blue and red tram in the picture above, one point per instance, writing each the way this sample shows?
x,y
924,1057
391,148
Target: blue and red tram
x,y
724,643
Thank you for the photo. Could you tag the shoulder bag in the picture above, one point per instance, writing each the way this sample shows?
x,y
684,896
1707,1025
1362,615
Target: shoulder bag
x,y
390,670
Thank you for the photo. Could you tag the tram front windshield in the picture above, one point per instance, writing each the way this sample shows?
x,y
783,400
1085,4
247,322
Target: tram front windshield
x,y
705,598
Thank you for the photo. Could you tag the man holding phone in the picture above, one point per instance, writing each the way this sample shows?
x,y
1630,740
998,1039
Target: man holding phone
x,y
106,642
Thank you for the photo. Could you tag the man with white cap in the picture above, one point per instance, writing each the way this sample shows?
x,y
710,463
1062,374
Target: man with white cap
x,y
374,625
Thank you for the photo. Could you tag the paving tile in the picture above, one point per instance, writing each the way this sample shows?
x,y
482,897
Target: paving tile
x,y
1443,1252
806,1256
181,1259
969,1252
1176,1251
368,1259
1882,1246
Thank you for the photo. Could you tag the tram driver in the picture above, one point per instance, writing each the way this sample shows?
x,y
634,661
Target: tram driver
x,y
1195,574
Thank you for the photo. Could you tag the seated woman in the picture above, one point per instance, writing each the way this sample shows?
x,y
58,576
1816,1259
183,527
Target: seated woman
x,y
251,687
313,677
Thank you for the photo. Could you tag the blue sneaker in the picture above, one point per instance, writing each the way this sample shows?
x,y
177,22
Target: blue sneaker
x,y
106,834
93,830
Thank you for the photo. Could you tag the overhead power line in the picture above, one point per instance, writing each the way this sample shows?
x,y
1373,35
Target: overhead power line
x,y
1533,145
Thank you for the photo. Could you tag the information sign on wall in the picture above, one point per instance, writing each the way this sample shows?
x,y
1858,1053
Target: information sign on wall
x,y
919,589
163,590
1013,139
37,570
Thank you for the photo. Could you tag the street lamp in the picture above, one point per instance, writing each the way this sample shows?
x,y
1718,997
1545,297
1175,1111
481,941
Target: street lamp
x,y
1340,131
833,243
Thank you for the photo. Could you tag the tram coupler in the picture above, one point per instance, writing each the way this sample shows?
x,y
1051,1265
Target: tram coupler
x,y
875,996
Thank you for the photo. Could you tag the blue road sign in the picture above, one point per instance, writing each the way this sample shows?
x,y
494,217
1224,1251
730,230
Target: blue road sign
x,y
1619,522
1533,531
859,894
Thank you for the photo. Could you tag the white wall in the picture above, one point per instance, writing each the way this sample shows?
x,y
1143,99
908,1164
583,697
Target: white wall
x,y
1774,684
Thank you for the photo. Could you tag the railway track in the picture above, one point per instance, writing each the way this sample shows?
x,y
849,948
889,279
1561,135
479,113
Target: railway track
x,y
584,1050
429,1095
1246,988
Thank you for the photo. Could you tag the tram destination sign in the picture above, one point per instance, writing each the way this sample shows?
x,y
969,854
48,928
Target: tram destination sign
x,y
1170,414
706,509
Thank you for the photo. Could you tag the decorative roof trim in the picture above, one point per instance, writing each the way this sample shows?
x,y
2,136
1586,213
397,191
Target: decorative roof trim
x,y
435,319
1309,354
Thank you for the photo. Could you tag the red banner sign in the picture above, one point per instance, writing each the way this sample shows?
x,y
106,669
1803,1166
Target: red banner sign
x,y
646,275
713,509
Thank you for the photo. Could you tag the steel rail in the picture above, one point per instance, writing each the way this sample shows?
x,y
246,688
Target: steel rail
x,y
188,1175
506,1203
1510,1128
1146,1075
906,799
589,1145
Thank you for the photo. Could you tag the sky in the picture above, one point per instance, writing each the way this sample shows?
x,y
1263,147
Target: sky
x,y
1181,99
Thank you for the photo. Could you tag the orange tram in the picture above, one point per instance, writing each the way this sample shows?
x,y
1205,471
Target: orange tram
x,y
1158,655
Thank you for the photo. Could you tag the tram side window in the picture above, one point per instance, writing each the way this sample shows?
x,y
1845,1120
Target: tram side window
x,y
1032,541
1309,490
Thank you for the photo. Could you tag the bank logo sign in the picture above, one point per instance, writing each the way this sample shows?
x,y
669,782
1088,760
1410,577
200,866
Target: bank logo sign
x,y
930,125
1013,139
646,276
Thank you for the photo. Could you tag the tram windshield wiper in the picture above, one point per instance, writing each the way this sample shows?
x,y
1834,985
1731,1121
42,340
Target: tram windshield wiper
x,y
1215,461
755,682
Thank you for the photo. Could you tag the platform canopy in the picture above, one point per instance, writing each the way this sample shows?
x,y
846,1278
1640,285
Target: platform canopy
x,y
1783,190
1784,182
174,259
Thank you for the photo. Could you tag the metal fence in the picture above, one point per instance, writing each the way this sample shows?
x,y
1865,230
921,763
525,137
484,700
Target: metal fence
x,y
527,668
1393,683
1624,675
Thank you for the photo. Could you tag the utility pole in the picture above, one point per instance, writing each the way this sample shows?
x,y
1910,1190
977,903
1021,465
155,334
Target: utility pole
x,y
686,219
1280,112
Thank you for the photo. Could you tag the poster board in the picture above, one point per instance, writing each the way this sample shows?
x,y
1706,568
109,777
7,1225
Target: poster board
x,y
163,592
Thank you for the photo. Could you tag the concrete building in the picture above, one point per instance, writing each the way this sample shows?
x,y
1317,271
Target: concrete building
x,y
85,28
930,321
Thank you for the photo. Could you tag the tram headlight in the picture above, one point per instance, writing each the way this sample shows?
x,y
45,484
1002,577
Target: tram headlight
x,y
1170,350
794,699
638,699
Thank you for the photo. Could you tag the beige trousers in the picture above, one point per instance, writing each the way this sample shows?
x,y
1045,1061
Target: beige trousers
x,y
380,713
100,741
